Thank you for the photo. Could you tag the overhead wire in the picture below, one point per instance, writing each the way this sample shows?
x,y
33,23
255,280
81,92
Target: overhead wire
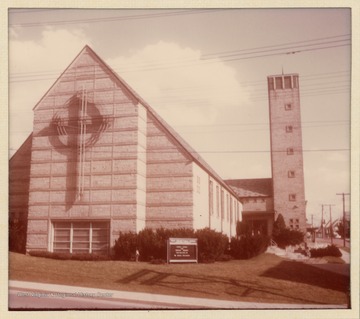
x,y
158,65
118,18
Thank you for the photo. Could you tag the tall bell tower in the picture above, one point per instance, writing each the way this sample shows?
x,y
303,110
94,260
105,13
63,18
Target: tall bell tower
x,y
286,150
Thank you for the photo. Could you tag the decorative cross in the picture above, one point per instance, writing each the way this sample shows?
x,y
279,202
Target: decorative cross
x,y
79,126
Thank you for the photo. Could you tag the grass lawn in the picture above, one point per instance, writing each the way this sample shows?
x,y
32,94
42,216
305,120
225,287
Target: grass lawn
x,y
266,278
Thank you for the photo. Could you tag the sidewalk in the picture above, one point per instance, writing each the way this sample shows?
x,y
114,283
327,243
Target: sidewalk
x,y
160,301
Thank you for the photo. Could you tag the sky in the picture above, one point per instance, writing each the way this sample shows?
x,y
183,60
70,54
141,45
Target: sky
x,y
205,72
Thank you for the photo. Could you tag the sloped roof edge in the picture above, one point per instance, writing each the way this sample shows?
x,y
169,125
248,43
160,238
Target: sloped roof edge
x,y
254,187
187,148
27,143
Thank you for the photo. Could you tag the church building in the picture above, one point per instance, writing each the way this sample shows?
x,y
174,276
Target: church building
x,y
101,161
265,199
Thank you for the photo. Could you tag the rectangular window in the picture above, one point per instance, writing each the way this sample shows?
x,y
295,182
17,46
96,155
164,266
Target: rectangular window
x,y
81,237
291,220
232,208
297,220
271,83
295,82
291,174
227,207
222,204
288,106
289,128
292,197
287,82
297,226
211,198
278,83
290,151
237,211
217,201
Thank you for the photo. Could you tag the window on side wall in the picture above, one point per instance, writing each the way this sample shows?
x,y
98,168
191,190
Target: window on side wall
x,y
288,107
291,174
289,128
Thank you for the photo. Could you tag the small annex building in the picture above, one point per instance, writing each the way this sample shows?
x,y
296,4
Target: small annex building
x,y
256,196
101,161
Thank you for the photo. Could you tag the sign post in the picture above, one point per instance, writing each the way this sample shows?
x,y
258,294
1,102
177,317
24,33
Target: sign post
x,y
182,250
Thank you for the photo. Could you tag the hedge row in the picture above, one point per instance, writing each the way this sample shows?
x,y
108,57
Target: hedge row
x,y
212,245
152,243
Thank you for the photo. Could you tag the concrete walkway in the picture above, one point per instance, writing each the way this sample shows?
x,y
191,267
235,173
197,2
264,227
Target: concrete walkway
x,y
155,300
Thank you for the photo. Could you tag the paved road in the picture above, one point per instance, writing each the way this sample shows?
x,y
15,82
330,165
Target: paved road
x,y
36,299
27,295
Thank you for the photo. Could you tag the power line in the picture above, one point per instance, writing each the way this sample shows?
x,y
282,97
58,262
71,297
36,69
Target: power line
x,y
280,48
156,65
172,150
121,18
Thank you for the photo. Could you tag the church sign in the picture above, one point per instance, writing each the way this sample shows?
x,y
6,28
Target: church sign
x,y
182,250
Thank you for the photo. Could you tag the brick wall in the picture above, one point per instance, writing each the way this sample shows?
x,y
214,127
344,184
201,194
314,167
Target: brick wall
x,y
286,154
114,176
169,195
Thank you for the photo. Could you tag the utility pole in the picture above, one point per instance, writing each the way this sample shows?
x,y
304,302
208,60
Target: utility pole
x,y
331,229
322,222
343,201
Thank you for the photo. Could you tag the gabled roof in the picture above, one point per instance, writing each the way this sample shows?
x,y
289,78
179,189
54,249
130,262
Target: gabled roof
x,y
23,154
257,187
180,141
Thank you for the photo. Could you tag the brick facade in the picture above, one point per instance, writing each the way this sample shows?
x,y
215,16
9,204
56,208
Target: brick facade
x,y
102,161
286,150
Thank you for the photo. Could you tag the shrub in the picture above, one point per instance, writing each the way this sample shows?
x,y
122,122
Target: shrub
x,y
330,250
152,245
211,244
248,246
17,235
243,229
284,236
288,237
125,246
279,225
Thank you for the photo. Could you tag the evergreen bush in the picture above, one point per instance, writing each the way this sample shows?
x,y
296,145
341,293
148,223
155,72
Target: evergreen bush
x,y
330,250
17,235
211,244
248,247
284,236
288,237
125,246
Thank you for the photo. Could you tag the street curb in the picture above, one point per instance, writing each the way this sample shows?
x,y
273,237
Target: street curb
x,y
163,301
